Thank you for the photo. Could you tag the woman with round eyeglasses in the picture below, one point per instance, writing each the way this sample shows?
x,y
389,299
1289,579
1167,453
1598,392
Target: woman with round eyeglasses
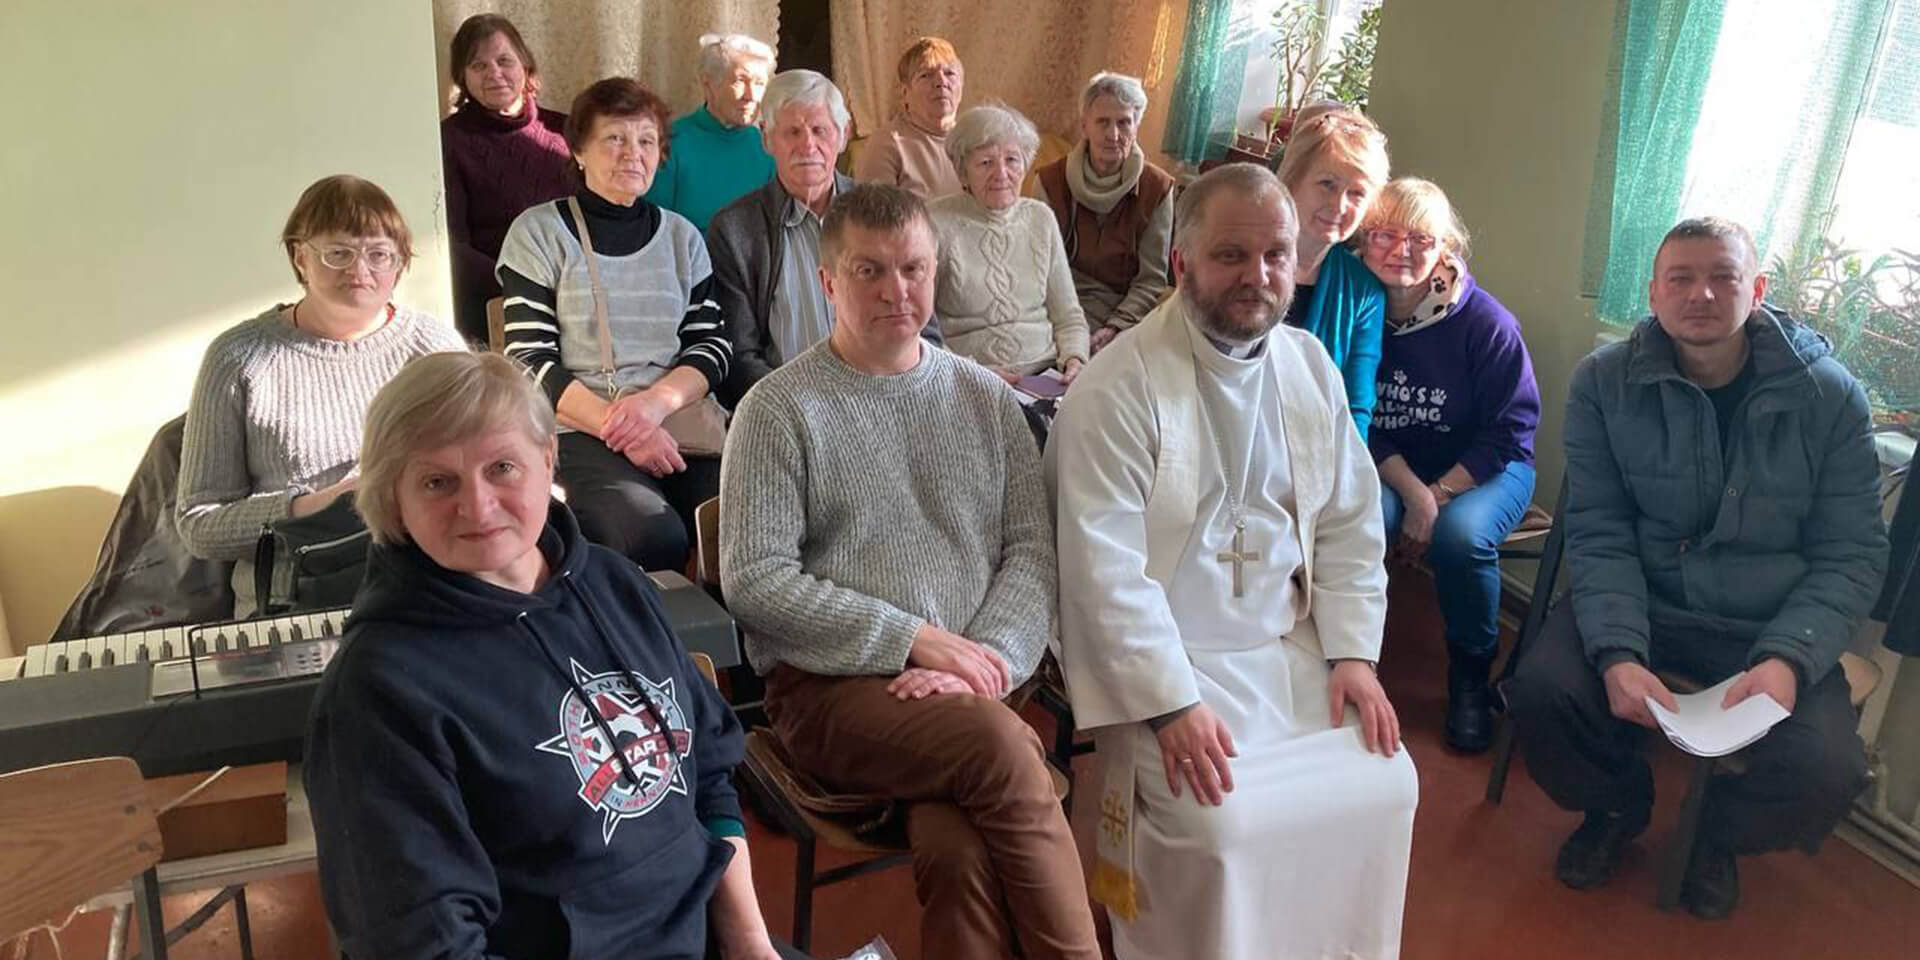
x,y
273,429
1452,432
1336,160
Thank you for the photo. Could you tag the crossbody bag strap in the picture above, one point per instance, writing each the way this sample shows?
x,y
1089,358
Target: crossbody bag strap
x,y
601,329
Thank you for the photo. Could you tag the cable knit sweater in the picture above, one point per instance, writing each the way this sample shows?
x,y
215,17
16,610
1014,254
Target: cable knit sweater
x,y
276,412
1005,295
854,508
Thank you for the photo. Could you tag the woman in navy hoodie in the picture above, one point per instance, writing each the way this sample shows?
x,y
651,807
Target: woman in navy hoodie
x,y
513,756
1452,432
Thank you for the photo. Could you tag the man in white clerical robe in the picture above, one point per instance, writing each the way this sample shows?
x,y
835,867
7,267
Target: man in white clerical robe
x,y
1222,598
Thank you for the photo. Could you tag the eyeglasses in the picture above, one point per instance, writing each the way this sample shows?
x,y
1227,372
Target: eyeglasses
x,y
1391,240
342,256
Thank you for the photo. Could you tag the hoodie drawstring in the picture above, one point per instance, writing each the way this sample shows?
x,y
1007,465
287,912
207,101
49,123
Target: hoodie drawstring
x,y
613,744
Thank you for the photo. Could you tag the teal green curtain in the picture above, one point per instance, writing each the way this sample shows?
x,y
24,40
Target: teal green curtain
x,y
1206,88
1664,68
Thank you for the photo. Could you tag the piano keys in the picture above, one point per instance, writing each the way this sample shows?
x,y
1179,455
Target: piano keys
x,y
170,643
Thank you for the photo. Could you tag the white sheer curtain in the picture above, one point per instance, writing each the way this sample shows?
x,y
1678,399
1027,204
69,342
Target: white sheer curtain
x,y
579,41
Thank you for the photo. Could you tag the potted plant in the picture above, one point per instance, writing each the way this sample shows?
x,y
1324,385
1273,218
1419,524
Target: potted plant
x,y
1306,76
1868,308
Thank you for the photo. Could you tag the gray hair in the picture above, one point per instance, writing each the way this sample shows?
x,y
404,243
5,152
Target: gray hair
x,y
720,51
1715,228
986,125
1128,90
802,88
435,400
1249,180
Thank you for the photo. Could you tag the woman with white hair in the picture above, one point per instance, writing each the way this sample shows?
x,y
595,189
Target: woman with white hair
x,y
716,154
1113,209
1004,293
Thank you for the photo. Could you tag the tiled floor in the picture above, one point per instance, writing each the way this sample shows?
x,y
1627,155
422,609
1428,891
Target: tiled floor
x,y
1482,883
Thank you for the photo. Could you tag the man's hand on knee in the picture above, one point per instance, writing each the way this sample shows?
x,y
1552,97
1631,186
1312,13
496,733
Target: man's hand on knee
x,y
1628,687
1772,677
1194,748
983,670
919,683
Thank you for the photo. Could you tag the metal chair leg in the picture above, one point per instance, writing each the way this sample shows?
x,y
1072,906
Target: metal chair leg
x,y
1673,871
242,924
1502,759
150,916
803,893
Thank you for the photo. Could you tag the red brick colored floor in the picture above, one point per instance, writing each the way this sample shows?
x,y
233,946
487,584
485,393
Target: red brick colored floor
x,y
1481,887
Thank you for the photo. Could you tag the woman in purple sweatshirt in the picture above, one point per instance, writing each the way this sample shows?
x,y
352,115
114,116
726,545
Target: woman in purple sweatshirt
x,y
502,153
1452,432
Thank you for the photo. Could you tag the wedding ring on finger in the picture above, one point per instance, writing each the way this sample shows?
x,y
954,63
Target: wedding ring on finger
x,y
1186,761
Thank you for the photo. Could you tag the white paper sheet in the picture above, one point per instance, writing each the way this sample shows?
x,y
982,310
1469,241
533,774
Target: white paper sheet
x,y
1701,728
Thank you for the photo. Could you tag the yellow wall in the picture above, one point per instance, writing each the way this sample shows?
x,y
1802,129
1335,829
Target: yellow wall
x,y
154,158
1499,102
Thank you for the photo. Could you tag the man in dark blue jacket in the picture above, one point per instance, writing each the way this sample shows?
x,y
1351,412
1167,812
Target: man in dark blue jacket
x,y
1723,518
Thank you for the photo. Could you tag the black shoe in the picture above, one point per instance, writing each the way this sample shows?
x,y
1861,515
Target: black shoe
x,y
1711,888
1469,707
1588,857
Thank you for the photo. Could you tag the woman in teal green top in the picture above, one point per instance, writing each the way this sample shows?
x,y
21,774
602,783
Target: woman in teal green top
x,y
1336,162
716,156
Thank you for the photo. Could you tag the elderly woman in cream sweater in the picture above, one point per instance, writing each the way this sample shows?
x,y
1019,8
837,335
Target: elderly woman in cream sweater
x,y
1005,293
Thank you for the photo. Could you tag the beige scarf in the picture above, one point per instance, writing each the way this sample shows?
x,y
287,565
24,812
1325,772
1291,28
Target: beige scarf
x,y
1097,193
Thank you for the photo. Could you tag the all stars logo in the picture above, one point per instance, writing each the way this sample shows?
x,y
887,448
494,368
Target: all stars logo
x,y
653,753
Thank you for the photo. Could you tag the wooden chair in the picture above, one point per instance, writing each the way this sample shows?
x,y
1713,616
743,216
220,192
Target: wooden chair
x,y
496,324
71,832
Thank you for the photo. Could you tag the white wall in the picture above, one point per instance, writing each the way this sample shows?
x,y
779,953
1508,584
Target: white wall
x,y
155,153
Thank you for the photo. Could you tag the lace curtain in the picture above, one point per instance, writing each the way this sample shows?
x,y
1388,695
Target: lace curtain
x,y
1033,56
579,41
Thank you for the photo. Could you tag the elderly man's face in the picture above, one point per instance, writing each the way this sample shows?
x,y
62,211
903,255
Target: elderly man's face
x,y
1238,273
932,94
1109,128
1703,289
478,506
881,287
734,99
804,142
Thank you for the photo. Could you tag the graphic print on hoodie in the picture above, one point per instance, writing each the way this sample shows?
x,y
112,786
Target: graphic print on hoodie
x,y
445,826
619,711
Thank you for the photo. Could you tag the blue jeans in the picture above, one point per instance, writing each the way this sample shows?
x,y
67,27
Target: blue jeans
x,y
1465,558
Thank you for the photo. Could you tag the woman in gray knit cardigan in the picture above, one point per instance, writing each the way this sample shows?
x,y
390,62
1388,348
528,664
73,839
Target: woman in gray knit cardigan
x,y
1005,292
273,429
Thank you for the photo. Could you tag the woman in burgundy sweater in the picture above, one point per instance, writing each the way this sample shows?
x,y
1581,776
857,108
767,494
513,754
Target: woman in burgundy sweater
x,y
503,153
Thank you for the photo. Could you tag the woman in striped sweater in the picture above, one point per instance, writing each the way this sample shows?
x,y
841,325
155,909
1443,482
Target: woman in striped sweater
x,y
627,478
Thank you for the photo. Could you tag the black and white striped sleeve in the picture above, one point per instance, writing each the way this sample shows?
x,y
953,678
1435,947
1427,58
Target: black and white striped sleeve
x,y
533,332
704,345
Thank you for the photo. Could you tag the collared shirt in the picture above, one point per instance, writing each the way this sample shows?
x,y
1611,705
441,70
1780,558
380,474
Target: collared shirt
x,y
801,315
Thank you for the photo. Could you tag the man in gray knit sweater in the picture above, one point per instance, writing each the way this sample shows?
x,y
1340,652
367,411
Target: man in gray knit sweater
x,y
886,543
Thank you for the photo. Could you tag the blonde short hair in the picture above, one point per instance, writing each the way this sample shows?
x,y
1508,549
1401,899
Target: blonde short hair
x,y
1411,204
435,400
923,53
1336,134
